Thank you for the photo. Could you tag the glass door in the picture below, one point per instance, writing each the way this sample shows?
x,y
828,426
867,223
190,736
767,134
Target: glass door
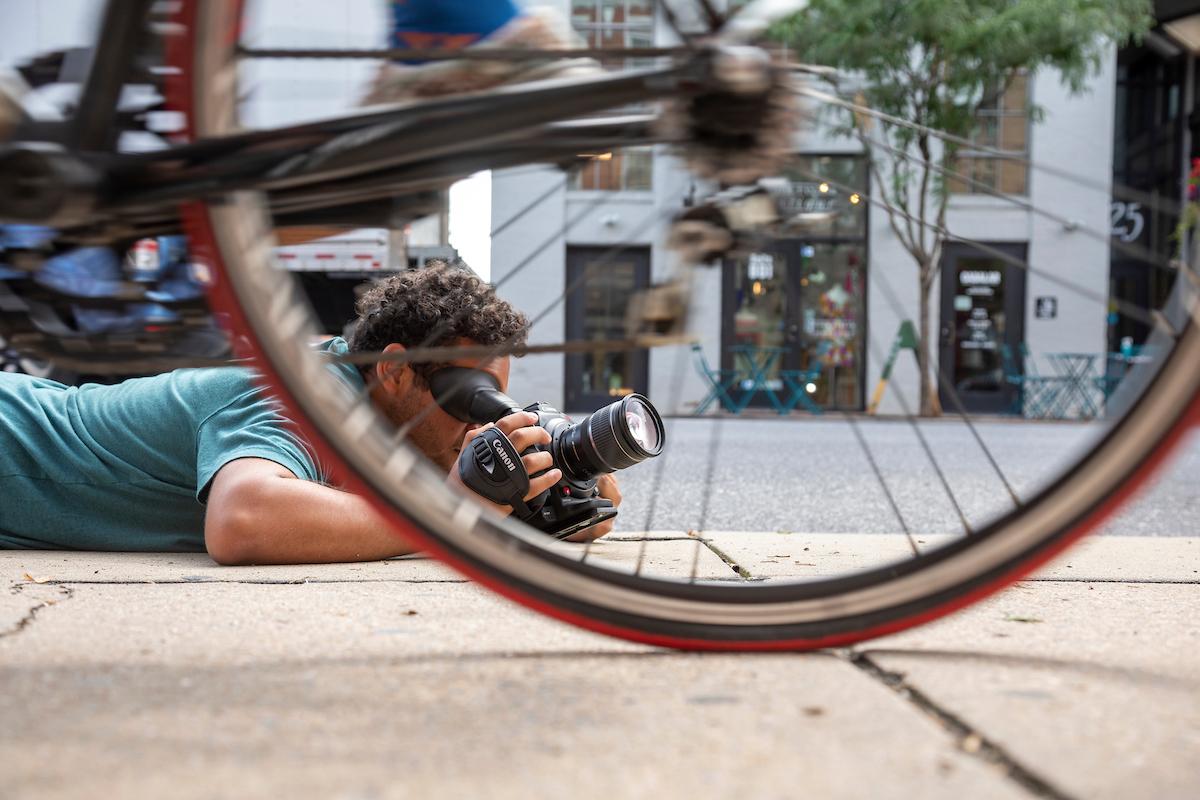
x,y
982,312
798,306
761,324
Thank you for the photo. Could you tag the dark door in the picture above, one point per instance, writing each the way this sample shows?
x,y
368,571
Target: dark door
x,y
596,307
982,312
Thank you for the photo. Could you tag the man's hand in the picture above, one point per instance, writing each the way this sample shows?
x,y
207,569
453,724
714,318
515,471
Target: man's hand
x,y
522,430
609,490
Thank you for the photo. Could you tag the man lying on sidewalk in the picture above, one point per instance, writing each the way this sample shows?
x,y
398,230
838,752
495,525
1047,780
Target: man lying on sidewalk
x,y
202,459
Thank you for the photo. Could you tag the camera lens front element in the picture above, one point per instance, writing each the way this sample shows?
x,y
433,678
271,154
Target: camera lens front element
x,y
617,436
643,427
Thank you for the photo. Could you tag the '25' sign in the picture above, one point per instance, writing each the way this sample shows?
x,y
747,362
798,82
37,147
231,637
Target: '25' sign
x,y
1127,221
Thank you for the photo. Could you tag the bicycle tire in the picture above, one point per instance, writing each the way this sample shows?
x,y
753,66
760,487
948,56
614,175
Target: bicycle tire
x,y
231,233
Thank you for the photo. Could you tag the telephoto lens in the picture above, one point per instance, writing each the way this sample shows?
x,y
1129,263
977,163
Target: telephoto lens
x,y
617,436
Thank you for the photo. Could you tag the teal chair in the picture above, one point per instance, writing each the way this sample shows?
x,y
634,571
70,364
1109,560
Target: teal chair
x,y
720,383
797,382
1014,375
1038,397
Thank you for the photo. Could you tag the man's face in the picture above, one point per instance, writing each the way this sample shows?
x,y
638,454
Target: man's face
x,y
403,396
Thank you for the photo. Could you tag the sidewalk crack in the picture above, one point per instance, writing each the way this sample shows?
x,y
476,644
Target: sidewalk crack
x,y
968,739
721,554
63,592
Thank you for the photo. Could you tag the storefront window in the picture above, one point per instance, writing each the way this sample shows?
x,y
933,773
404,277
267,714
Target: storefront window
x,y
798,304
823,201
832,296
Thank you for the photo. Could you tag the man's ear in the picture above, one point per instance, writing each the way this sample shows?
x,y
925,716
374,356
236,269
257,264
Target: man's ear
x,y
391,372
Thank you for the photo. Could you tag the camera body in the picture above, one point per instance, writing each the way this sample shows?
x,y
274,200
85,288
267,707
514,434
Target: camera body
x,y
574,503
617,436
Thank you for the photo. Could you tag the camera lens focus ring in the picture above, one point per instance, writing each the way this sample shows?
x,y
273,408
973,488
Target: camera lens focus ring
x,y
603,437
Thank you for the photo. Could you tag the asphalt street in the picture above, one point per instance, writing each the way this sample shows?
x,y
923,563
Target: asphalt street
x,y
808,475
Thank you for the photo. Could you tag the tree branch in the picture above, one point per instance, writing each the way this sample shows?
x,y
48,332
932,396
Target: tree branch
x,y
888,205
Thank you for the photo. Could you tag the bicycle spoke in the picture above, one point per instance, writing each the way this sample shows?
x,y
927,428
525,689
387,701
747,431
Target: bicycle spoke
x,y
710,469
906,410
434,355
676,25
696,561
714,17
862,443
893,299
660,467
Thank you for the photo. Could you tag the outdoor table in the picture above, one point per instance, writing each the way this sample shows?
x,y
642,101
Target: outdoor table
x,y
756,362
1043,397
1077,372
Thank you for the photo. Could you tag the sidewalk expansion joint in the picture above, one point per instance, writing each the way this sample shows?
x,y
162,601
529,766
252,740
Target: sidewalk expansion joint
x,y
967,739
248,581
64,592
733,565
654,539
1179,581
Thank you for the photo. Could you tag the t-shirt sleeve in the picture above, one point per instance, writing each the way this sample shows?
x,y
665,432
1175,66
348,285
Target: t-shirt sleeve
x,y
252,426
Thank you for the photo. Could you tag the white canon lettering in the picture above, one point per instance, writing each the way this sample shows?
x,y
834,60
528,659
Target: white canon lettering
x,y
504,456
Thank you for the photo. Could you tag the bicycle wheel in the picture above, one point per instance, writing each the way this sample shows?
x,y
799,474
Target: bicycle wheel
x,y
232,233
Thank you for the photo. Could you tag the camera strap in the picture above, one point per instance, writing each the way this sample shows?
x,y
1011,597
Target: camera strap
x,y
491,466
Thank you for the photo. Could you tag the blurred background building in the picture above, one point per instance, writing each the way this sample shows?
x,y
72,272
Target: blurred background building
x,y
814,292
823,291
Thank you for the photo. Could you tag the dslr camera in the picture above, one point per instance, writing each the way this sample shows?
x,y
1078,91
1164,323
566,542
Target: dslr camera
x,y
617,436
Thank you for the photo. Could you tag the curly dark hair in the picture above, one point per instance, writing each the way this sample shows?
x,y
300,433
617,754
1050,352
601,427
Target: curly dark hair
x,y
442,298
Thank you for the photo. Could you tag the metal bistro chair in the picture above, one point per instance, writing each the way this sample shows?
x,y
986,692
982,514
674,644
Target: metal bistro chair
x,y
1037,397
797,381
720,382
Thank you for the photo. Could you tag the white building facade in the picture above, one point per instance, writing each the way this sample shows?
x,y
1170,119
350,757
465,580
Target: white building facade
x,y
831,294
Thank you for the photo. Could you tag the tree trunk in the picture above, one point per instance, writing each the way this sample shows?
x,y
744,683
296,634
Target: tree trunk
x,y
930,405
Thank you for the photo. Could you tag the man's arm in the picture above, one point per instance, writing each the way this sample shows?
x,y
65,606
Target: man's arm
x,y
260,513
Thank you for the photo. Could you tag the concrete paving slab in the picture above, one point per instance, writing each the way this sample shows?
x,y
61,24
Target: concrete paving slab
x,y
244,624
19,604
808,555
74,567
764,554
682,557
231,690
1129,558
661,554
1097,686
768,554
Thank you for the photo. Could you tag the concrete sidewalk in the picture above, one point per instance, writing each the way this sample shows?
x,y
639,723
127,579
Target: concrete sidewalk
x,y
166,676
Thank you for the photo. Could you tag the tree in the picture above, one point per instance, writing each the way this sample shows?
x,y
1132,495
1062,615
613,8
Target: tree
x,y
933,63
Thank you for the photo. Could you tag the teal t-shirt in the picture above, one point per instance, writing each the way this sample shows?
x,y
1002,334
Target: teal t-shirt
x,y
127,467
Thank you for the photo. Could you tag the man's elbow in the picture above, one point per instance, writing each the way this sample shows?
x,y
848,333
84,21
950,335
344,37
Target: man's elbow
x,y
230,537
